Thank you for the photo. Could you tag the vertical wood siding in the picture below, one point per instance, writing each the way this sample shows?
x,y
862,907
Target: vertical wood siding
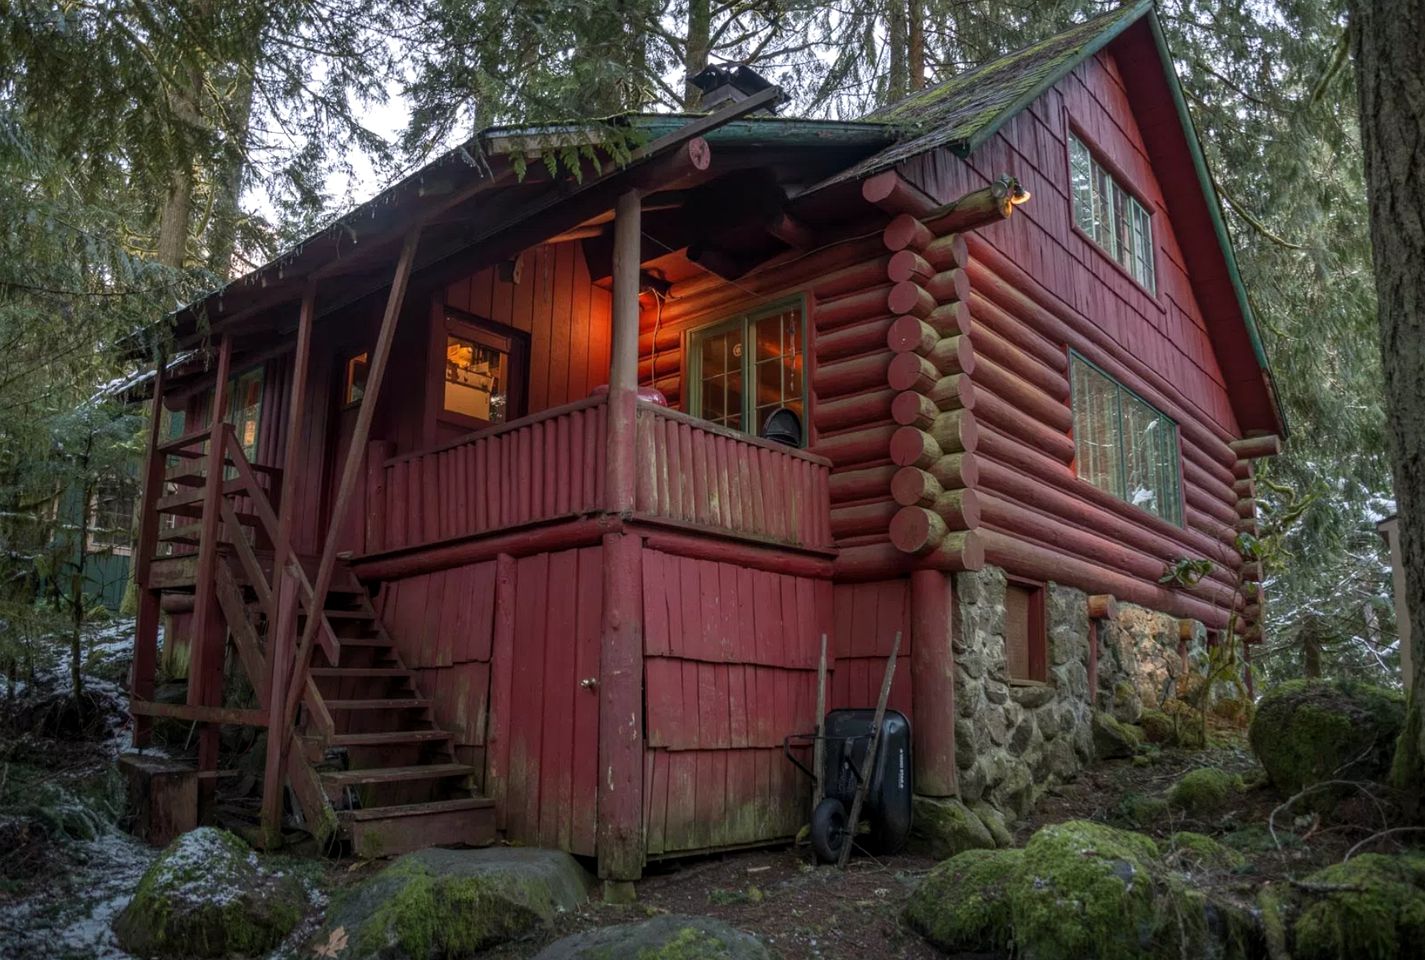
x,y
867,617
730,670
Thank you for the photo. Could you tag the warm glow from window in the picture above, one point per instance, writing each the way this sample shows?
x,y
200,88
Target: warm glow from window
x,y
357,368
748,367
476,380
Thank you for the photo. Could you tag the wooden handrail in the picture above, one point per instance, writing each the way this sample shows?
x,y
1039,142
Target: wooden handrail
x,y
698,423
261,504
187,440
501,428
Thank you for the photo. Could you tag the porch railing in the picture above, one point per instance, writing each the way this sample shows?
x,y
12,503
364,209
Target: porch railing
x,y
536,468
704,475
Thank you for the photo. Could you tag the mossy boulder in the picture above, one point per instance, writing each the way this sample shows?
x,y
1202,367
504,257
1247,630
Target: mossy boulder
x,y
994,822
943,826
1112,739
1308,731
1203,792
1197,852
207,895
662,938
1171,730
1371,906
962,904
1139,811
451,904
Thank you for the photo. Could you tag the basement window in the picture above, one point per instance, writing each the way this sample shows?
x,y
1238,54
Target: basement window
x,y
1025,637
1123,444
1111,216
746,367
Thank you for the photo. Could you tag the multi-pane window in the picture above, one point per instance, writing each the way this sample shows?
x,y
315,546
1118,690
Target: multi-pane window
x,y
1123,445
745,368
1111,215
111,517
245,409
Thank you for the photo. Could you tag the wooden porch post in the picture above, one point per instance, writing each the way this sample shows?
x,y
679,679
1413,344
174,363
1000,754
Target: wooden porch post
x,y
279,653
207,646
932,682
141,681
620,802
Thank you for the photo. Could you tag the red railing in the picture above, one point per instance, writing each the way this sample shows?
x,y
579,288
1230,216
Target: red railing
x,y
701,474
536,468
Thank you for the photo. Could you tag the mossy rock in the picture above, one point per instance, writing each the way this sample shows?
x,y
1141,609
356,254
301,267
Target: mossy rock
x,y
450,904
662,938
994,822
1169,730
962,904
1203,792
1139,811
1372,906
943,826
1112,739
1195,852
208,896
1308,731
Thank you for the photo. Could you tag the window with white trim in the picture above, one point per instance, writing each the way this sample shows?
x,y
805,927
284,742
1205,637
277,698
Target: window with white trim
x,y
1124,445
1111,216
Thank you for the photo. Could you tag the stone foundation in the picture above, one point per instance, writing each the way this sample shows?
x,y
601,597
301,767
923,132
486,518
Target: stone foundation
x,y
1014,739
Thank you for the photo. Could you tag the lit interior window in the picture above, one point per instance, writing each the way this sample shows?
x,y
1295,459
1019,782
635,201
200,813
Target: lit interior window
x,y
476,380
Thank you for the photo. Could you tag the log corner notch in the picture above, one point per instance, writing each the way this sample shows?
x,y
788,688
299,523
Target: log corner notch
x,y
1257,446
933,366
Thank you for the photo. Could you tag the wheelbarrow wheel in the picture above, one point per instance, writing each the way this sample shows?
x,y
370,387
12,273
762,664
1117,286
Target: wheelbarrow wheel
x,y
828,830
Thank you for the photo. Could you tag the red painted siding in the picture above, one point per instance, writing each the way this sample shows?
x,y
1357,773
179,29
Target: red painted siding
x,y
868,616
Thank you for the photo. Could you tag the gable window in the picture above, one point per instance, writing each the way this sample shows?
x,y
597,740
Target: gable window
x,y
1025,638
483,372
1124,445
746,367
1111,216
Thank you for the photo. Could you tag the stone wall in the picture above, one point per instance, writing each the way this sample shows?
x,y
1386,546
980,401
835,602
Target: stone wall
x,y
1139,664
1013,740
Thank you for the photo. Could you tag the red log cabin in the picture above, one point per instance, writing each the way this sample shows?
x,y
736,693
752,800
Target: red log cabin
x,y
472,488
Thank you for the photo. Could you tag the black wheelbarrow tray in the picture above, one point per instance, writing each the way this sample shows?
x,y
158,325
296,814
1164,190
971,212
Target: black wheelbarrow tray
x,y
847,737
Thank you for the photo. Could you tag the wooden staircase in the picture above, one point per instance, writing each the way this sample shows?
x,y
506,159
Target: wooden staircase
x,y
369,766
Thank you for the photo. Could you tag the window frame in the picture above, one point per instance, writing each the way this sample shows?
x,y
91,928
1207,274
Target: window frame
x,y
1179,517
348,362
467,326
747,320
98,541
1037,627
258,372
1121,185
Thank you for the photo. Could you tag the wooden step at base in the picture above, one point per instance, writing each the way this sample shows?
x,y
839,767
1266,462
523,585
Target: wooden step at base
x,y
387,738
393,703
428,771
392,831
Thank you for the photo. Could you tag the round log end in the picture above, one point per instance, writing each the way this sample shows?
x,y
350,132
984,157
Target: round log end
x,y
972,551
907,371
911,409
914,487
951,319
956,432
910,447
960,283
916,530
699,153
907,265
969,509
904,232
908,296
907,334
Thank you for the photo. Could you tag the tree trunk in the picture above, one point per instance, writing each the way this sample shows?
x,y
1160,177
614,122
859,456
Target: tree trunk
x,y
695,49
173,222
897,86
1390,68
227,186
915,43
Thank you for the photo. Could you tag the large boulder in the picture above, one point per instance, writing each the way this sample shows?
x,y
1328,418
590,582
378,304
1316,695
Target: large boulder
x,y
1309,731
662,938
1373,905
208,896
451,904
1203,792
1113,739
962,906
943,826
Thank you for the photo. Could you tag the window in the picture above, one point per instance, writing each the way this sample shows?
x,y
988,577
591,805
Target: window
x,y
1123,445
1025,640
746,367
1111,216
354,384
111,518
245,409
483,372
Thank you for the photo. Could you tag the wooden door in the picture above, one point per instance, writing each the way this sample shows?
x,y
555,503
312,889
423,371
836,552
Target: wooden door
x,y
549,792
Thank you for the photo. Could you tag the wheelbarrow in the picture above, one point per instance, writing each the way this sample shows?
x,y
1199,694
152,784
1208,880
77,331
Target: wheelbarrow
x,y
846,738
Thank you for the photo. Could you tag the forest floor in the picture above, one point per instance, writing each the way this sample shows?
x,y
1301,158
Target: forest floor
x,y
67,868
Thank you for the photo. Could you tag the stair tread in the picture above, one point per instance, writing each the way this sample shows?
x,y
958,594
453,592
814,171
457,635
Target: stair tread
x,y
366,642
429,771
391,703
346,615
418,809
385,737
360,672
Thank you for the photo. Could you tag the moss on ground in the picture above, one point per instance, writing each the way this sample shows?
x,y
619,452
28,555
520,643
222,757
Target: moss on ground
x,y
1203,792
1138,811
1198,851
961,905
1372,906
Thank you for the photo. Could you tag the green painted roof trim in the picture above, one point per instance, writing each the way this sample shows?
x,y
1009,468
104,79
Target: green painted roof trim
x,y
1214,206
1125,19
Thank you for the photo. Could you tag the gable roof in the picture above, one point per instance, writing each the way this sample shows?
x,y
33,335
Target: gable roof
x,y
965,111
